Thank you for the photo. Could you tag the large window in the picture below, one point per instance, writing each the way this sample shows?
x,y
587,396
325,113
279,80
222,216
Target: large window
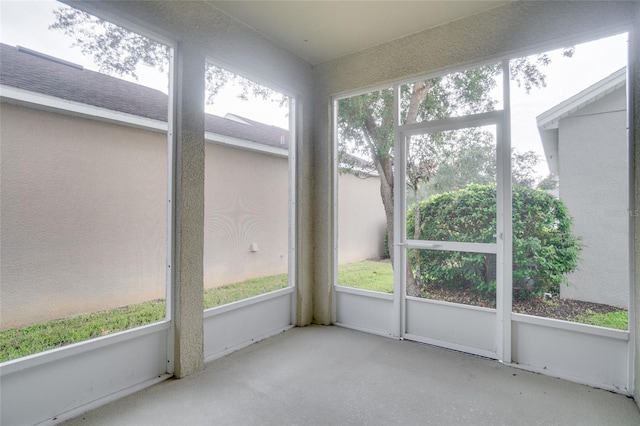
x,y
248,197
568,145
84,178
365,191
571,187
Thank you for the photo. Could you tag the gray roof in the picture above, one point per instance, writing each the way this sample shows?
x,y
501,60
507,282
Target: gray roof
x,y
35,72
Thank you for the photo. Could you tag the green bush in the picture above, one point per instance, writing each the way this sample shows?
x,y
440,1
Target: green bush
x,y
544,249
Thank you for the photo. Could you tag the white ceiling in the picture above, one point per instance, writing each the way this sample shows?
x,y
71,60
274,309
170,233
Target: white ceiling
x,y
319,31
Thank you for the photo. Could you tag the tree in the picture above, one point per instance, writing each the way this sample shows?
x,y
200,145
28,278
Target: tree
x,y
365,125
474,162
118,51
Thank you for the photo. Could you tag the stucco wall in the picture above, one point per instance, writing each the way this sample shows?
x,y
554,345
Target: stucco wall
x,y
246,201
594,187
361,219
83,215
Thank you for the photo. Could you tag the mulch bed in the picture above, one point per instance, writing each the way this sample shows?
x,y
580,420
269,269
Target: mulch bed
x,y
554,307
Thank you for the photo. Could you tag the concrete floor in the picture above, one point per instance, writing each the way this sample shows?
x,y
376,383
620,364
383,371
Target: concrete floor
x,y
334,376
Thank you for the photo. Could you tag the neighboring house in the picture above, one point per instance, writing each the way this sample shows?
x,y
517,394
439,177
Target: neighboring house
x,y
84,193
585,142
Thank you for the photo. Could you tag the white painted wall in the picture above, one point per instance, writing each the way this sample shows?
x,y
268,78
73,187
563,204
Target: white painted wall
x,y
594,187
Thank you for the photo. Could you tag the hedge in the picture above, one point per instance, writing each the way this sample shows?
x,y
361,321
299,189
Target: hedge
x,y
544,248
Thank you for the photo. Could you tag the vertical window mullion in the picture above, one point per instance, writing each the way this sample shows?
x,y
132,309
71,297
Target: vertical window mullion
x,y
504,220
399,223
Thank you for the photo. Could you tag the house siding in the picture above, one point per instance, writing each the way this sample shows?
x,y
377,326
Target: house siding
x,y
84,215
594,187
361,219
246,201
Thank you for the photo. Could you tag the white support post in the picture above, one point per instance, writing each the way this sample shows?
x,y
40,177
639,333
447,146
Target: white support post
x,y
188,221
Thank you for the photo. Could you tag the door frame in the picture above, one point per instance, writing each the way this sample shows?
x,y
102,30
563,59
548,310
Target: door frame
x,y
500,120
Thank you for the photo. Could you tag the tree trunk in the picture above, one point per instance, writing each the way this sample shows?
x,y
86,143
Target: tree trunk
x,y
385,171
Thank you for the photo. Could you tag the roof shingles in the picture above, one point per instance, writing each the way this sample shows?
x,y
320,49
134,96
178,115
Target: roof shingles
x,y
39,74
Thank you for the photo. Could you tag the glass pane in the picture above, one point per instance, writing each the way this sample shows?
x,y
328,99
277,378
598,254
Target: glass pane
x,y
365,148
84,200
451,183
457,94
246,231
571,175
451,276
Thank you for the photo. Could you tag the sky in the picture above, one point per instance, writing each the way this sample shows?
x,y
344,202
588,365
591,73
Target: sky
x,y
26,23
565,77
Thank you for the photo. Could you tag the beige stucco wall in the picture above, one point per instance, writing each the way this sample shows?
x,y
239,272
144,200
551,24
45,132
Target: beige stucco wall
x,y
361,219
518,27
83,215
246,201
593,153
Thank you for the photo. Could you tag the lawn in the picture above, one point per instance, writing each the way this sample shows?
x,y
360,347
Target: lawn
x,y
238,291
368,275
378,276
19,342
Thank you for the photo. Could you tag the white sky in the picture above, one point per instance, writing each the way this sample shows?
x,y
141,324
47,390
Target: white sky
x,y
26,23
566,77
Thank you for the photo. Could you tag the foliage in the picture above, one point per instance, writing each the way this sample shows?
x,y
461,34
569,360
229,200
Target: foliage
x,y
544,249
114,49
549,183
468,156
118,51
366,134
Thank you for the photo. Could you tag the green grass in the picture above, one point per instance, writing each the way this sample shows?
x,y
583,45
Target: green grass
x,y
617,319
19,342
378,276
238,291
367,275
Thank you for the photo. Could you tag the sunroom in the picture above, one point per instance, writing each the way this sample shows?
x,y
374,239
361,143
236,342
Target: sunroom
x,y
403,194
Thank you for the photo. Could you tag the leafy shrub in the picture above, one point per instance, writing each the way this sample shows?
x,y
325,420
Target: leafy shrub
x,y
385,253
544,249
